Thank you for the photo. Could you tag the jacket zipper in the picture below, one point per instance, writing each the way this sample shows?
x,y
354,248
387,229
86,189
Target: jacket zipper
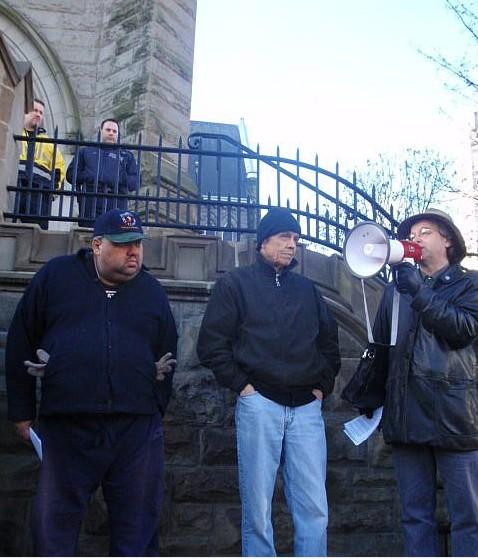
x,y
277,280
108,345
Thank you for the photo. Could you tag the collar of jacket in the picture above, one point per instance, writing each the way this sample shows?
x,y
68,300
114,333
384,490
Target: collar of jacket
x,y
30,132
449,274
267,268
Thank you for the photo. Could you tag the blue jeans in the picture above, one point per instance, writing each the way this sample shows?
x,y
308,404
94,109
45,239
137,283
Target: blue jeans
x,y
266,433
416,468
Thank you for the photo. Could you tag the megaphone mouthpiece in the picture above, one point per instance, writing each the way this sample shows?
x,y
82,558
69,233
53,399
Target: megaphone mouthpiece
x,y
375,250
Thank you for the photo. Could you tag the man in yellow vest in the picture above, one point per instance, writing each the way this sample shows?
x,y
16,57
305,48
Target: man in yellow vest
x,y
46,167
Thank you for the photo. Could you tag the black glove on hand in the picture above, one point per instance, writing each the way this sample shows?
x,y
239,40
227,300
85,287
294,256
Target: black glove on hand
x,y
407,278
367,412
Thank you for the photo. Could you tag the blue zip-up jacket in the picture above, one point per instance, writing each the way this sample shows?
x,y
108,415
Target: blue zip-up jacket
x,y
107,169
117,174
102,350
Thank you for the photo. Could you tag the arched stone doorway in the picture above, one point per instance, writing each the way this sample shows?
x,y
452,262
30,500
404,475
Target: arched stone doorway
x,y
50,82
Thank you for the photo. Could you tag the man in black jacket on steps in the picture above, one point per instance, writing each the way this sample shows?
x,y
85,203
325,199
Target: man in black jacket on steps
x,y
268,335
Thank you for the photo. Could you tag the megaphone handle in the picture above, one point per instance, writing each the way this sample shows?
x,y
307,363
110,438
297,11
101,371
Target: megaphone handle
x,y
394,324
367,318
395,308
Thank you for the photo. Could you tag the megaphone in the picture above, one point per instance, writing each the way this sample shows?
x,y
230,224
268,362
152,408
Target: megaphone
x,y
368,248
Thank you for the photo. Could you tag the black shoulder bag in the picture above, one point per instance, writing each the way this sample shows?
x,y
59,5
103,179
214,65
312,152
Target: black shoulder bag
x,y
366,388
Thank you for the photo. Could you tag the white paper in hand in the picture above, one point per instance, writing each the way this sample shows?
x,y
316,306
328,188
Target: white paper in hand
x,y
36,442
359,429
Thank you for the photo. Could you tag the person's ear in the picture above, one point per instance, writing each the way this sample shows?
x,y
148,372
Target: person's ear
x,y
95,245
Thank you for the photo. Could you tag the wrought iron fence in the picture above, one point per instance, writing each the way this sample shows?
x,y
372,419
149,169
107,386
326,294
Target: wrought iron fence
x,y
213,185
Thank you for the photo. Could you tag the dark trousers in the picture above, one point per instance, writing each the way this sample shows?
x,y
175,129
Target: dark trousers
x,y
36,204
416,469
121,453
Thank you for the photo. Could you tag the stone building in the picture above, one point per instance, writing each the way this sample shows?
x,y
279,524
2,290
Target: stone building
x,y
121,58
133,60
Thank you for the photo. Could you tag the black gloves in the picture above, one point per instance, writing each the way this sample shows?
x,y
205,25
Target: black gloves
x,y
367,412
407,278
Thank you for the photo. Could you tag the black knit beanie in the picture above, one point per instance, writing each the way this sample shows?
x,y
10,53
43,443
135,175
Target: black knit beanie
x,y
276,221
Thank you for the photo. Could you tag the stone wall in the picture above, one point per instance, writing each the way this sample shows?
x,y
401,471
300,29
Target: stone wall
x,y
202,508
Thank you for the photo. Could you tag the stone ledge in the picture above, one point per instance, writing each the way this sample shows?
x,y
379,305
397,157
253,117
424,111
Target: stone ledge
x,y
184,290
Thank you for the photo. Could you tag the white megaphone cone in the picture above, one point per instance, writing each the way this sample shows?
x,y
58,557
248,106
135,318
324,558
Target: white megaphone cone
x,y
368,248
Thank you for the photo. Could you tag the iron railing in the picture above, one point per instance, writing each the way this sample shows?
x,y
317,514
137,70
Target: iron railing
x,y
214,185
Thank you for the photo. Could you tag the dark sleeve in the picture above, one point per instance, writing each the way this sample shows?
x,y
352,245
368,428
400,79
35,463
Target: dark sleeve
x,y
217,335
168,342
454,321
23,340
327,345
80,176
129,178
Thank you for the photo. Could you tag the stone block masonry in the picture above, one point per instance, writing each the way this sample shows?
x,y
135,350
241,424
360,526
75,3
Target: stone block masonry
x,y
202,507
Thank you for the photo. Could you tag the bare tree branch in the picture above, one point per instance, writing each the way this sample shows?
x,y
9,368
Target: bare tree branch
x,y
462,11
459,71
464,70
409,182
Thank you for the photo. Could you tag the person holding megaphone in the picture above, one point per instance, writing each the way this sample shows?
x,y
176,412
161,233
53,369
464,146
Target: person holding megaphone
x,y
430,414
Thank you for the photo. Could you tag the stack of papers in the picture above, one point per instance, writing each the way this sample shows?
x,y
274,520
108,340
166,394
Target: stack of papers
x,y
359,429
36,442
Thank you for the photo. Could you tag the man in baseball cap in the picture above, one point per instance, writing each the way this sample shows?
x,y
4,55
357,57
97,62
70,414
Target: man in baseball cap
x,y
117,246
104,334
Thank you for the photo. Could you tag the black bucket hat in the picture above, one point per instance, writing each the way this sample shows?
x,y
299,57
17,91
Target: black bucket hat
x,y
443,218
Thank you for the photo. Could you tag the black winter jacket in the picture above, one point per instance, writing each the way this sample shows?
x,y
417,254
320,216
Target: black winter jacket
x,y
432,385
273,331
102,350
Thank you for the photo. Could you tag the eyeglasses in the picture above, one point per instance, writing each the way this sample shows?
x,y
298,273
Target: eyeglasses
x,y
422,233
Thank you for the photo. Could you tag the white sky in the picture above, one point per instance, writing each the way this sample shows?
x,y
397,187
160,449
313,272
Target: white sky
x,y
341,78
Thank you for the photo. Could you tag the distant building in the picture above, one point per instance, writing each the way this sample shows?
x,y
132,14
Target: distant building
x,y
223,178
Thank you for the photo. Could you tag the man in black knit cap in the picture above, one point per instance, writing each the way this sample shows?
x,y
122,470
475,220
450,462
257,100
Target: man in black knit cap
x,y
268,335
